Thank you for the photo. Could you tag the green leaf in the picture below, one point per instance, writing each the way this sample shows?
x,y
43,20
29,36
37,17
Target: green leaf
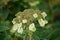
x,y
14,0
8,37
3,28
4,13
2,35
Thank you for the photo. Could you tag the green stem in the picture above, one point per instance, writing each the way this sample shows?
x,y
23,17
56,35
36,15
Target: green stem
x,y
30,35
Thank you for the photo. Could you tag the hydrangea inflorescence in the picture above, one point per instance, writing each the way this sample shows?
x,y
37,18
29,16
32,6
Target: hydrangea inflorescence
x,y
26,18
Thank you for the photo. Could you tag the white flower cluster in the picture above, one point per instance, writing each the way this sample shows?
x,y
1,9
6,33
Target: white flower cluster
x,y
17,27
41,21
26,18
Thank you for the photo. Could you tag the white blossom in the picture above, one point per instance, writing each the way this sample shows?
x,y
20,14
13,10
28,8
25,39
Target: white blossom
x,y
26,18
35,15
41,22
15,27
18,16
46,21
20,25
20,30
32,27
13,22
43,14
34,3
24,21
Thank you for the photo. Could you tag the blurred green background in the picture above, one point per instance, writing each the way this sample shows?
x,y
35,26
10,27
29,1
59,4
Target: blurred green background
x,y
8,9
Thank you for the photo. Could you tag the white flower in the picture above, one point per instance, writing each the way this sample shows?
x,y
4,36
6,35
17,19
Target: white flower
x,y
15,27
34,3
20,30
20,25
18,16
13,21
41,22
35,15
43,14
32,27
24,21
46,21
